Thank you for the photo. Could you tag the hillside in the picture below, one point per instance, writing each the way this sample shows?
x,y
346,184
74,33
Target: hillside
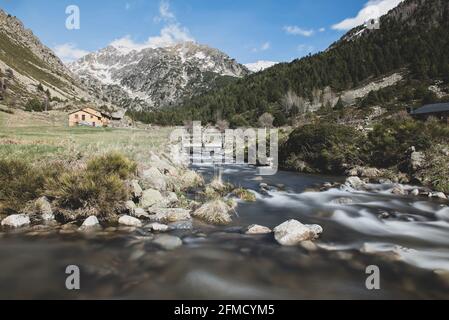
x,y
412,42
28,69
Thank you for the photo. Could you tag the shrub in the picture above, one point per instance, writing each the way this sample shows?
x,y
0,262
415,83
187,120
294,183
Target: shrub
x,y
325,146
112,163
34,105
19,183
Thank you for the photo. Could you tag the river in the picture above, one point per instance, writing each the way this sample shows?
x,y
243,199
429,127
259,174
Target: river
x,y
406,237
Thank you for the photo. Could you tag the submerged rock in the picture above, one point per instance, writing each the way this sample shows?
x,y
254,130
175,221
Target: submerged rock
x,y
169,215
257,229
293,232
16,221
130,221
168,242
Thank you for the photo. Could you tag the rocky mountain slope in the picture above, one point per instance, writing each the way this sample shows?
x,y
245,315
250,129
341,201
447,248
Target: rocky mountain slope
x,y
410,47
155,78
28,69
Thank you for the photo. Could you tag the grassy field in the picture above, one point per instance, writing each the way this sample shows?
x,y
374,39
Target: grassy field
x,y
44,137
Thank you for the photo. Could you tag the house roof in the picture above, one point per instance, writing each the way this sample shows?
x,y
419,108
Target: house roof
x,y
432,108
92,112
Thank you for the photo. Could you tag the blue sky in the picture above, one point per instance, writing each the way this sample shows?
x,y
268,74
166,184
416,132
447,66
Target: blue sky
x,y
248,30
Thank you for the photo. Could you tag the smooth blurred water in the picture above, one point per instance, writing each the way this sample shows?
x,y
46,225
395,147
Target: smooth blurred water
x,y
411,248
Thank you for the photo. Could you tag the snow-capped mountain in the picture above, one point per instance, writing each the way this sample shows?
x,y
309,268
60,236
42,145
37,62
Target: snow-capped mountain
x,y
260,65
154,77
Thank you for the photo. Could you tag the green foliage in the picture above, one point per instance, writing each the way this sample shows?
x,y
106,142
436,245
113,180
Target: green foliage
x,y
388,143
34,105
327,147
112,164
19,183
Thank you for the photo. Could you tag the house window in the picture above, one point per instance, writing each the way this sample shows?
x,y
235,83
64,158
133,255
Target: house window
x,y
94,124
76,117
91,117
83,117
99,119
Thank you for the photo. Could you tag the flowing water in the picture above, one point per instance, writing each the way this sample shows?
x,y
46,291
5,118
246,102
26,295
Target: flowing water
x,y
407,238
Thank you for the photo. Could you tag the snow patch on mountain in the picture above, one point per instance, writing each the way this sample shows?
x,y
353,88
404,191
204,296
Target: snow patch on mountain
x,y
260,65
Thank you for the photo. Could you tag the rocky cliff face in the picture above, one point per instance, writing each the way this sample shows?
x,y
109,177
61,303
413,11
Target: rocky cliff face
x,y
31,67
155,78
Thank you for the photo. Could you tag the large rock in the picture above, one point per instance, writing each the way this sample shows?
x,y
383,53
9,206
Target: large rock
x,y
130,221
163,165
256,229
150,198
157,227
355,183
214,212
439,195
130,206
169,215
168,242
293,232
16,221
43,207
153,179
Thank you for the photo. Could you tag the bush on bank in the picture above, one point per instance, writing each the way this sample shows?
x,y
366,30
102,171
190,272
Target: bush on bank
x,y
98,186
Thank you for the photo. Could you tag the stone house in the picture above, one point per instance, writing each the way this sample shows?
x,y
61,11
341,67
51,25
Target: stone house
x,y
88,117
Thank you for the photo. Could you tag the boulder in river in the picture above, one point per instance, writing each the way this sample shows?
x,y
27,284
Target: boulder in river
x,y
355,183
130,221
168,242
293,232
16,221
135,188
157,227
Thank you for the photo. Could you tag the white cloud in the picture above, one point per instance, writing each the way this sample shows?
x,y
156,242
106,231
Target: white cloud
x,y
264,47
322,29
170,35
373,9
297,31
173,32
68,52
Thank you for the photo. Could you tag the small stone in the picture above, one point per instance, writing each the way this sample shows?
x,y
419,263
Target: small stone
x,y
16,221
257,229
130,206
415,192
90,223
158,227
169,215
141,214
136,189
181,225
129,221
168,242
